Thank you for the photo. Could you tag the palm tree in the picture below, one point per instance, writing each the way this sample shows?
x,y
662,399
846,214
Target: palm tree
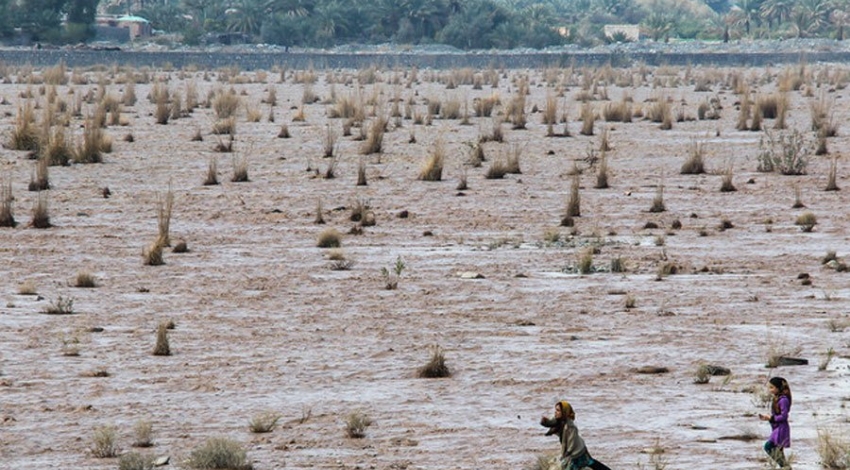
x,y
811,16
657,25
246,16
776,12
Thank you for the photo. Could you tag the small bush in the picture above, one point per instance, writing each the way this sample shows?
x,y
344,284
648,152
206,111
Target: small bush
x,y
833,170
787,154
143,434
726,185
806,221
695,163
85,279
585,262
162,347
135,461
658,200
225,104
264,422
152,255
225,127
432,169
702,374
212,173
834,451
329,238
374,143
240,170
103,442
602,172
356,423
618,265
7,216
61,306
392,276
574,200
436,366
219,453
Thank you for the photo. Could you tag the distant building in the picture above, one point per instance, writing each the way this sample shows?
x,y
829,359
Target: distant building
x,y
122,28
631,32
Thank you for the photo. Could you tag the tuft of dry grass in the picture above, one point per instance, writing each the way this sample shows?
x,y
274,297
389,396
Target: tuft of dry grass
x,y
361,173
93,145
7,216
240,169
264,422
40,213
162,348
432,168
436,367
24,135
225,104
374,143
356,423
104,443
40,179
219,453
833,449
284,132
726,185
226,126
143,434
695,163
61,306
165,206
212,173
329,238
574,201
806,221
152,254
602,172
658,200
831,184
85,279
329,141
588,118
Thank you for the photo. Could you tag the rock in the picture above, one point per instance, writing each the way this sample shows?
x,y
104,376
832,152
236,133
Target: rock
x,y
470,275
832,264
791,361
717,370
651,370
160,461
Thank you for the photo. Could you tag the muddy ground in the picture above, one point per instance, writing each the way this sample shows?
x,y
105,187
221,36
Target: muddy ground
x,y
263,324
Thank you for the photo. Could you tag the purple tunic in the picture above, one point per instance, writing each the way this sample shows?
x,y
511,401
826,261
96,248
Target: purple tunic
x,y
781,434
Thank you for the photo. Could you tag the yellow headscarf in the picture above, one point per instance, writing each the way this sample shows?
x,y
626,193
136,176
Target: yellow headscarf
x,y
567,410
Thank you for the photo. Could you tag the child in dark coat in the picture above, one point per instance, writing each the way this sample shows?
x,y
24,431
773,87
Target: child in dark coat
x,y
574,454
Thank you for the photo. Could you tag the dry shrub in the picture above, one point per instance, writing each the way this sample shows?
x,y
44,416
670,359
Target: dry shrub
x,y
329,141
787,154
61,306
483,107
162,112
356,423
806,221
374,143
240,169
768,106
128,98
588,118
658,200
40,179
24,135
602,172
56,75
162,347
253,114
284,132
212,173
219,453
104,442
574,200
329,238
135,461
782,106
58,151
40,214
361,173
85,279
165,205
695,163
93,145
436,366
726,185
617,112
7,216
225,127
432,169
451,109
264,422
550,112
225,104
498,169
831,184
143,434
152,254
834,450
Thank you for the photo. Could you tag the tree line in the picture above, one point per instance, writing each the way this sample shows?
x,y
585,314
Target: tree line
x,y
465,24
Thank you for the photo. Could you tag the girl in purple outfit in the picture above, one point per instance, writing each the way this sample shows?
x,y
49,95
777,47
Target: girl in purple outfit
x,y
780,436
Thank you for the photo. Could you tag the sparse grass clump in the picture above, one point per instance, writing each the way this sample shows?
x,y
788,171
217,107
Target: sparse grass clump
x,y
831,184
40,214
695,164
135,461
264,422
329,238
104,442
806,221
356,423
240,170
375,141
585,262
152,254
787,154
574,201
658,200
162,348
225,104
432,169
85,279
219,453
726,185
61,306
436,366
7,216
834,450
143,434
24,135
